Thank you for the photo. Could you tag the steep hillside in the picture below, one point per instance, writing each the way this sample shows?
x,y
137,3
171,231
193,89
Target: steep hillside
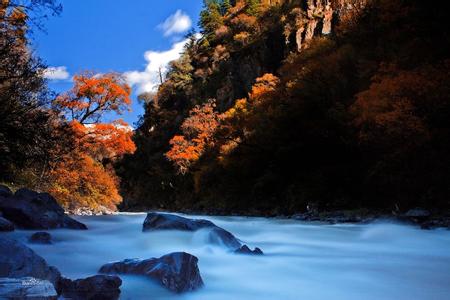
x,y
283,104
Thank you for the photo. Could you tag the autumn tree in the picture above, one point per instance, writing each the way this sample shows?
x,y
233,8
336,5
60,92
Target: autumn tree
x,y
93,95
96,144
401,118
198,131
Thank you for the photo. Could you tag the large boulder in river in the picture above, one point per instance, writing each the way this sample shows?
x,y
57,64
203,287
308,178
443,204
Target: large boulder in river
x,y
6,225
17,260
217,235
176,271
27,288
32,210
104,287
156,221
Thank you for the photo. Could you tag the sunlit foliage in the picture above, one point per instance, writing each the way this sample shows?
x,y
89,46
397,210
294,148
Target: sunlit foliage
x,y
96,145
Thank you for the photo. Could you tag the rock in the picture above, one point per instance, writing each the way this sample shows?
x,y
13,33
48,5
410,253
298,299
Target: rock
x,y
102,287
17,260
32,210
217,235
176,271
5,191
417,213
246,250
40,238
87,211
220,236
156,221
6,225
27,288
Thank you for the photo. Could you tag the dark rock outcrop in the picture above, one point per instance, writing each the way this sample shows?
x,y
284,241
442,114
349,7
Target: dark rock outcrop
x,y
98,287
217,235
246,250
5,191
177,271
32,210
17,260
27,288
6,225
438,222
417,213
40,238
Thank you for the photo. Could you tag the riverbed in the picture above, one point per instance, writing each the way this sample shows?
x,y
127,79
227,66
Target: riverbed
x,y
302,260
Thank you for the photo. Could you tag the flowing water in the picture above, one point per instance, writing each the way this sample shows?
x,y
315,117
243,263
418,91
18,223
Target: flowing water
x,y
302,260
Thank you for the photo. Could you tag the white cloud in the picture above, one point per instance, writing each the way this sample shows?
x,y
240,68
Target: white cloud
x,y
176,23
56,73
148,80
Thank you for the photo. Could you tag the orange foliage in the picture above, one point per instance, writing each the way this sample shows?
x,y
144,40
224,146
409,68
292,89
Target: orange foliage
x,y
86,177
390,111
244,22
80,181
198,131
242,37
93,95
240,121
104,140
264,85
204,128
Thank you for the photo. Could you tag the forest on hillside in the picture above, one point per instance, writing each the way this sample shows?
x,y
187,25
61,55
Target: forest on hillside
x,y
280,105
273,107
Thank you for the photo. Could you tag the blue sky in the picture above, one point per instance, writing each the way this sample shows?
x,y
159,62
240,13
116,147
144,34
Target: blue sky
x,y
132,37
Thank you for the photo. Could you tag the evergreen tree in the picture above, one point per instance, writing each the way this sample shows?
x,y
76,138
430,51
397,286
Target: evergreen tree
x,y
225,6
210,18
252,7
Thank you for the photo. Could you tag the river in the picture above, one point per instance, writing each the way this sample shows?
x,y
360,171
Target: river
x,y
302,260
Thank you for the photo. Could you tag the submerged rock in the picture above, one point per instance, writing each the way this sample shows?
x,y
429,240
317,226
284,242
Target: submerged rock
x,y
40,238
17,260
6,225
104,287
27,288
177,271
32,210
217,235
246,250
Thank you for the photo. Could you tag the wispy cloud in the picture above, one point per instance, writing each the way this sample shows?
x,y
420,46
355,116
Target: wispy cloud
x,y
176,23
56,73
148,80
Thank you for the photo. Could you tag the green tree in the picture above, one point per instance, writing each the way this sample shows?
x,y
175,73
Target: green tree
x,y
225,6
253,7
210,18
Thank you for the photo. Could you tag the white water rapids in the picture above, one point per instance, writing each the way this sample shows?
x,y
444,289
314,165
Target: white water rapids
x,y
302,260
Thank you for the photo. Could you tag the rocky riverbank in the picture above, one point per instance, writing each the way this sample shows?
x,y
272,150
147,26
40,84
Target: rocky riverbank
x,y
425,219
26,275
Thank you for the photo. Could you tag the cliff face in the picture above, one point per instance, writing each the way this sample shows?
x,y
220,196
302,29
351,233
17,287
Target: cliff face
x,y
310,18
